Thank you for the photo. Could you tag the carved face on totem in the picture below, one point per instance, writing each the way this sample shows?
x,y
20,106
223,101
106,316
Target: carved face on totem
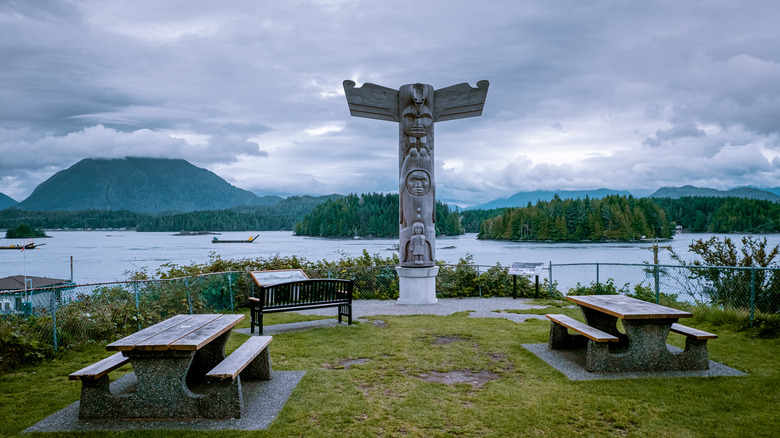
x,y
416,116
418,182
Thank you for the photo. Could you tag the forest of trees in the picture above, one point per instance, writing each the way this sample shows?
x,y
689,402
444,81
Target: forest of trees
x,y
611,218
374,215
280,216
722,215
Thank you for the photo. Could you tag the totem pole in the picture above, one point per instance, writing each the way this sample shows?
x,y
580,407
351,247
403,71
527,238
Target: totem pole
x,y
415,108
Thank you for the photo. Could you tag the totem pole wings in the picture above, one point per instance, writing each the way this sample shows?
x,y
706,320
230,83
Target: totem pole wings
x,y
450,103
459,101
372,101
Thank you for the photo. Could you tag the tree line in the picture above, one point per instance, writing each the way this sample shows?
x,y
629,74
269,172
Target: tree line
x,y
610,218
281,216
722,215
367,215
377,216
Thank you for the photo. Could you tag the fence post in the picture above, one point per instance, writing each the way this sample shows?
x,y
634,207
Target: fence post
x,y
53,303
230,289
752,295
479,283
550,286
137,314
598,285
657,276
189,299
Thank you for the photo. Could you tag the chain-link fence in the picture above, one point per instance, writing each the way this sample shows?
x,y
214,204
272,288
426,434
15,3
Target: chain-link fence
x,y
35,323
745,290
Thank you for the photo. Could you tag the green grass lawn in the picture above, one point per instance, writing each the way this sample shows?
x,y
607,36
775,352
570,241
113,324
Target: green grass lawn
x,y
384,379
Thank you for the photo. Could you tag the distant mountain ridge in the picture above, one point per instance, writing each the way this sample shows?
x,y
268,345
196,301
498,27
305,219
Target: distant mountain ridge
x,y
141,185
6,201
521,199
739,192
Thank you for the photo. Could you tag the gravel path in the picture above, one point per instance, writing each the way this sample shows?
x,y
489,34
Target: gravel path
x,y
479,308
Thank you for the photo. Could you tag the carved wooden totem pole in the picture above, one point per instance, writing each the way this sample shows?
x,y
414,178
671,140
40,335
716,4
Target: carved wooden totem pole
x,y
415,108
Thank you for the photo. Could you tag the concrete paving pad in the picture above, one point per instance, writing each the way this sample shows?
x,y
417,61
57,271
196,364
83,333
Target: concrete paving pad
x,y
263,400
571,364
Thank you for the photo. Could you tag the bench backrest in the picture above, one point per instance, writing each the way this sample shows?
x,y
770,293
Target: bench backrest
x,y
319,290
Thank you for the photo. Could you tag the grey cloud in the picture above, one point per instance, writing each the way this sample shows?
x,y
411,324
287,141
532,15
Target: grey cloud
x,y
637,95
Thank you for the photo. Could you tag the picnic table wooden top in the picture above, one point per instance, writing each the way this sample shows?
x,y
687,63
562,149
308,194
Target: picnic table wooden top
x,y
625,307
181,332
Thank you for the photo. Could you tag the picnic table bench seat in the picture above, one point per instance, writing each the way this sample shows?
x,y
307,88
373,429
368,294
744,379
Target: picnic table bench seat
x,y
100,368
250,361
581,328
692,332
297,295
254,352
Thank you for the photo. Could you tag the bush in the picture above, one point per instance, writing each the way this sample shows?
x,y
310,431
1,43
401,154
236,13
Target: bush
x,y
20,342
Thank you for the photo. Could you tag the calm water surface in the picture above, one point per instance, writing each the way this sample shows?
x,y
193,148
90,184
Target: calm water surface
x,y
105,256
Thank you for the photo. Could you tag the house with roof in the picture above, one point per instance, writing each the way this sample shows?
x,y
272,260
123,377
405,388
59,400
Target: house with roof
x,y
23,293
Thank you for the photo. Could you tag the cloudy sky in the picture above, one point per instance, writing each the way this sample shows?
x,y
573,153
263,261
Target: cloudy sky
x,y
583,94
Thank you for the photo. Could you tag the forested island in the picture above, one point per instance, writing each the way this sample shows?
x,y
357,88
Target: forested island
x,y
722,215
368,215
281,216
623,218
611,218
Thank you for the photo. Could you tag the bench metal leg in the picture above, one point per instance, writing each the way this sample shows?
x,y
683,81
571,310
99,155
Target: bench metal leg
x,y
345,310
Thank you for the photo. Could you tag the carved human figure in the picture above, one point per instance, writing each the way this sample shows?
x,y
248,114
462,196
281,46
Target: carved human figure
x,y
418,244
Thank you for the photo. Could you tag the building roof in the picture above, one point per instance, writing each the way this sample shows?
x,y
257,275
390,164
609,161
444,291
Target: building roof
x,y
16,282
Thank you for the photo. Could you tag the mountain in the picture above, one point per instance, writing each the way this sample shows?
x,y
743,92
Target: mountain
x,y
521,199
142,185
739,192
6,201
775,190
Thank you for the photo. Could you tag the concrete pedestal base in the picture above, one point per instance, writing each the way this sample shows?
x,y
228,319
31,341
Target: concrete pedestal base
x,y
417,285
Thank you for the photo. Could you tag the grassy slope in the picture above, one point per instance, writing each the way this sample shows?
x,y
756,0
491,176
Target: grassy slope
x,y
385,396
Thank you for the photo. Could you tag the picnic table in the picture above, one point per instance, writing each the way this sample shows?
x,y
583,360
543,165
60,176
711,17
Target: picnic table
x,y
181,371
641,347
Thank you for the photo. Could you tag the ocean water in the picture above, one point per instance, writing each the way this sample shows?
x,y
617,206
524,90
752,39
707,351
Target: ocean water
x,y
106,256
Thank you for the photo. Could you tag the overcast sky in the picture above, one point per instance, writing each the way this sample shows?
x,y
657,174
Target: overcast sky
x,y
630,95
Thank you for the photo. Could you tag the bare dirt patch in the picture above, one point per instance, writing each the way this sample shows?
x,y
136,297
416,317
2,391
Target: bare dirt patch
x,y
344,364
475,379
448,339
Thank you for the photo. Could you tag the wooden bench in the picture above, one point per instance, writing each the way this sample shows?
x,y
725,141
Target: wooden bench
x,y
581,328
692,332
695,352
301,295
248,353
101,368
596,341
95,386
250,361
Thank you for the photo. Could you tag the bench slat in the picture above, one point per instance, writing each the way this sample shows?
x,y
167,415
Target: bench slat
x,y
692,332
101,368
582,328
232,365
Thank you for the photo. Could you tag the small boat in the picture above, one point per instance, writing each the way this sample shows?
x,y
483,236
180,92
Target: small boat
x,y
250,240
20,246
